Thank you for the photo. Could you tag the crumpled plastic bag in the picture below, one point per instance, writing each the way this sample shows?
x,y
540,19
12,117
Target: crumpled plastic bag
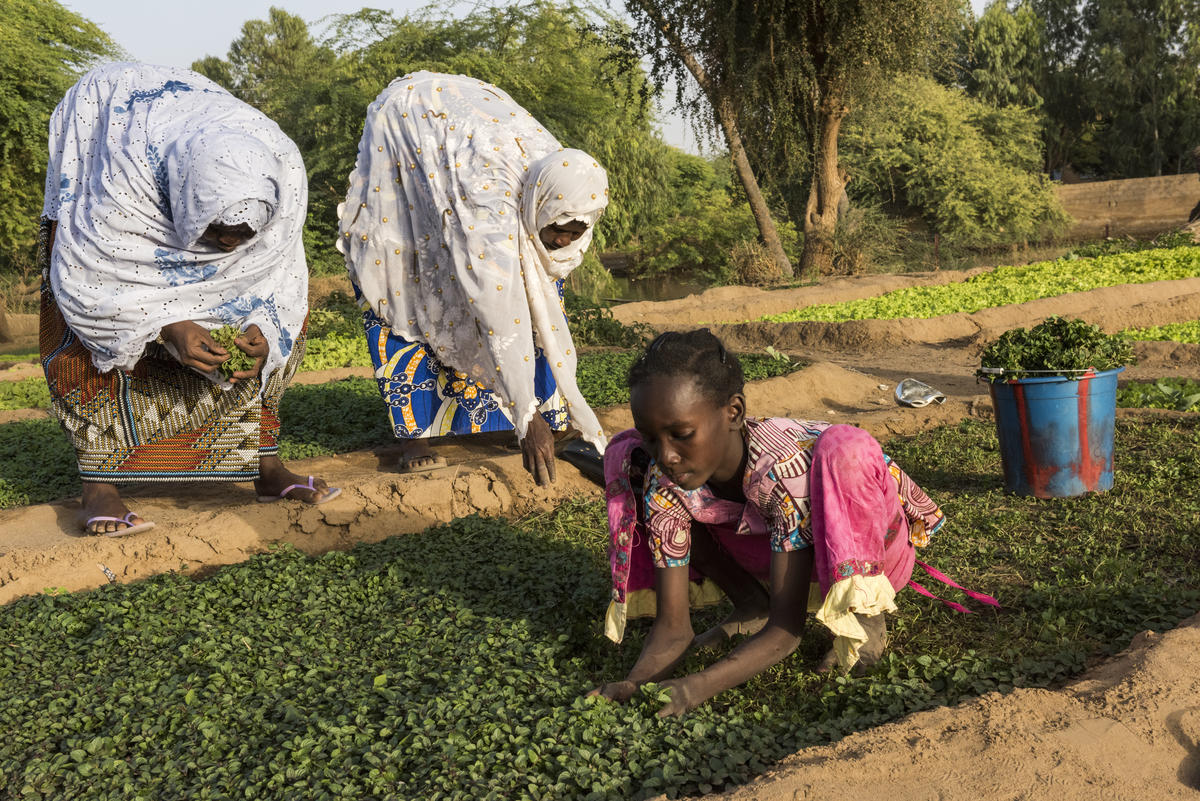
x,y
914,393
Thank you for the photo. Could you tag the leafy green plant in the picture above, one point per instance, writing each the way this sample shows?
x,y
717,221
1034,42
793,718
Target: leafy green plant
x,y
337,313
1172,332
1107,247
451,663
1179,394
335,417
238,360
1006,285
1057,346
336,350
37,463
593,324
28,393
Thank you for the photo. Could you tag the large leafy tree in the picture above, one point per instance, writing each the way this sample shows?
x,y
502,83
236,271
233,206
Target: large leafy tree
x,y
789,72
267,60
1116,79
545,55
803,67
686,44
43,49
1143,61
1005,65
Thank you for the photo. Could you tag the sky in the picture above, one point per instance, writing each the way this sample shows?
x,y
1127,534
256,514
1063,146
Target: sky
x,y
176,33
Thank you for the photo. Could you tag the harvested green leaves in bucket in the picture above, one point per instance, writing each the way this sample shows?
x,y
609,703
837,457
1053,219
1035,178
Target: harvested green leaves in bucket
x,y
1057,346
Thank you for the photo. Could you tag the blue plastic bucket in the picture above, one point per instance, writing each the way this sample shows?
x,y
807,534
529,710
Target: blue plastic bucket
x,y
1056,433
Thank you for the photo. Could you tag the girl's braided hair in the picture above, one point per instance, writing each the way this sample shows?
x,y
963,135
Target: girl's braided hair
x,y
698,355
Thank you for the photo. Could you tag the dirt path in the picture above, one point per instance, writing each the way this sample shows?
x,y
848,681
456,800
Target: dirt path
x,y
1128,730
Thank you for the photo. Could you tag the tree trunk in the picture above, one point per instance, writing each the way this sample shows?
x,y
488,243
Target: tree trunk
x,y
820,218
758,204
727,119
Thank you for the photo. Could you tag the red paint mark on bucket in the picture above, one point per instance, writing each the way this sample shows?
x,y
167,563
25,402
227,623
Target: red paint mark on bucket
x,y
1037,476
1088,469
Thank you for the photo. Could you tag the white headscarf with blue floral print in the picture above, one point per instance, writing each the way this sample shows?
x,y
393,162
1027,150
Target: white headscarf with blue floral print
x,y
142,160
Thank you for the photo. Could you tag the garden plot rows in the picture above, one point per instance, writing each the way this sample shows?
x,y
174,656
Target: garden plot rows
x,y
450,663
1078,579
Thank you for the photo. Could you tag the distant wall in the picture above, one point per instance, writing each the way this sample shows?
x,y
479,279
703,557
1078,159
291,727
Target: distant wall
x,y
1134,206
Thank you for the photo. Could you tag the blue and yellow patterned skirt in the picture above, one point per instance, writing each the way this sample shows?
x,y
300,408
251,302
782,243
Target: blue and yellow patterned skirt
x,y
427,399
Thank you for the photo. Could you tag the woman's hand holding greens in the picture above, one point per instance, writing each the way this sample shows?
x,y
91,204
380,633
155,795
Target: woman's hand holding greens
x,y
194,347
255,345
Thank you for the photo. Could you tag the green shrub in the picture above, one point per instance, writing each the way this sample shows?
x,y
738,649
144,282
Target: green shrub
x,y
971,170
712,217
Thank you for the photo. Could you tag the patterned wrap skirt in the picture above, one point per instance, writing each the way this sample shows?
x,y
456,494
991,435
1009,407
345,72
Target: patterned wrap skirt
x,y
425,398
160,421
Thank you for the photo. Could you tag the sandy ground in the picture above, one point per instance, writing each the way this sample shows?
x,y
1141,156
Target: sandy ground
x,y
1128,730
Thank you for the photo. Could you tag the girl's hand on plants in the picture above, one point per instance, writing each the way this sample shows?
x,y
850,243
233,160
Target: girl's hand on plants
x,y
620,691
255,345
681,699
194,347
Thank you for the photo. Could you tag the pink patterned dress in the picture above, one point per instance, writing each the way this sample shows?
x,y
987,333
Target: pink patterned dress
x,y
807,484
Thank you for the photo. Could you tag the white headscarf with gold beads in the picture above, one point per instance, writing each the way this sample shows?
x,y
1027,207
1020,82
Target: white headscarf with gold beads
x,y
453,182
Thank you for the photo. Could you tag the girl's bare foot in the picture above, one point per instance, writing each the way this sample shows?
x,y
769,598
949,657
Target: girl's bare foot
x,y
869,652
104,501
739,621
274,478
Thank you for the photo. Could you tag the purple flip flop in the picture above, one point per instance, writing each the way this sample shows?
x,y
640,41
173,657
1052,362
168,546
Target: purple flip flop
x,y
330,493
130,528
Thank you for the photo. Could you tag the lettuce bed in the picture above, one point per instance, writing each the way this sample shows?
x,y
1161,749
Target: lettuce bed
x,y
450,664
1007,285
25,393
1173,332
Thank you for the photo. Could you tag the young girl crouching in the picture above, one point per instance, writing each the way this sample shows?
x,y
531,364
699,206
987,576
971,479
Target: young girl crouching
x,y
699,495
